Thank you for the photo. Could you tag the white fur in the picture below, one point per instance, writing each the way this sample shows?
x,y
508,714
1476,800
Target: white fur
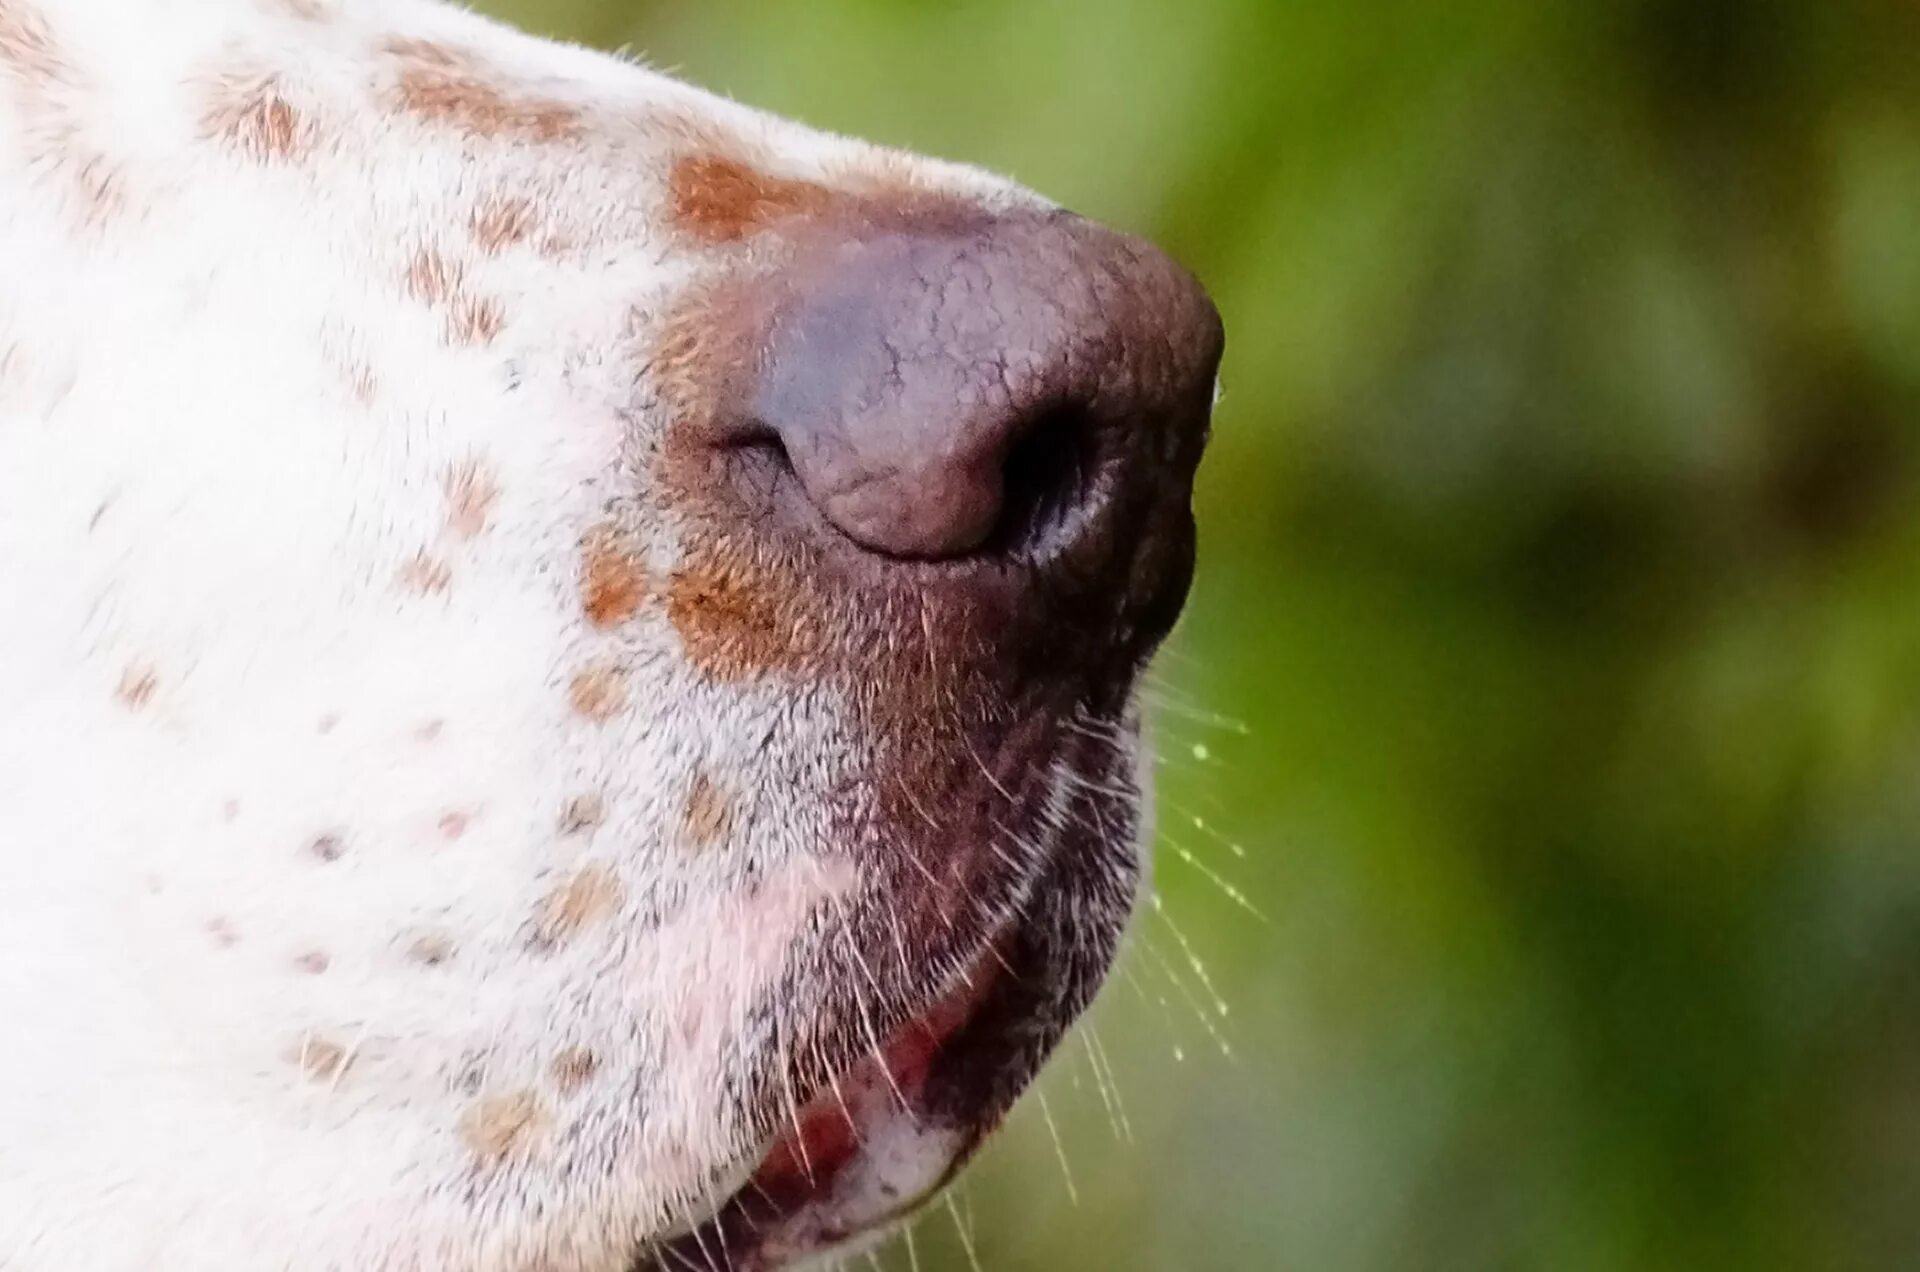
x,y
207,663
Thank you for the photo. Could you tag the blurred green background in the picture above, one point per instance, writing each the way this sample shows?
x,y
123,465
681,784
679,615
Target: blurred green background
x,y
1552,683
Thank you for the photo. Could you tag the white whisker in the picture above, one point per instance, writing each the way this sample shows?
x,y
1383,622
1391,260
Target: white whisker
x,y
966,1235
1059,1146
1186,948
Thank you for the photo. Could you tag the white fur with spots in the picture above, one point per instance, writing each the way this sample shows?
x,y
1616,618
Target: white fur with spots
x,y
312,866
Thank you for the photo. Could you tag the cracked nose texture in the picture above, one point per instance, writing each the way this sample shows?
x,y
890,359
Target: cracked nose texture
x,y
1014,388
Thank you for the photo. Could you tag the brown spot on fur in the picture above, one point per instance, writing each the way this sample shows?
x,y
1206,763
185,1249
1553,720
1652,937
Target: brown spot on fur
x,y
501,222
452,92
708,812
737,621
722,200
613,580
470,497
502,1126
588,896
249,113
573,1069
474,320
138,684
455,824
431,949
582,813
717,198
321,1059
328,847
598,693
431,278
426,574
313,962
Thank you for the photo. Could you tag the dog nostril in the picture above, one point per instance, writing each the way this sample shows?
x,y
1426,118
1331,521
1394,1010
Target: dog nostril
x,y
1047,485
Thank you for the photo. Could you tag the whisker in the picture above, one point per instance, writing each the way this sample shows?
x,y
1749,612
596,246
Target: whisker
x,y
706,1255
966,1235
984,770
899,943
1226,887
1059,1146
680,1259
866,1015
793,1104
840,1098
1109,1095
1186,948
1007,859
1180,987
719,1229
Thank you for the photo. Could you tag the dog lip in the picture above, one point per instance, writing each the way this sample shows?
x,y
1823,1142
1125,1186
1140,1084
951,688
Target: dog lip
x,y
861,1154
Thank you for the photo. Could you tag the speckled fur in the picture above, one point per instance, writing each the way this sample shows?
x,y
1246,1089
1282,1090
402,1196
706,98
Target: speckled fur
x,y
381,885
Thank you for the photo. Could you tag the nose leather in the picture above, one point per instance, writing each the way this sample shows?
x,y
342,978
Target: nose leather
x,y
935,391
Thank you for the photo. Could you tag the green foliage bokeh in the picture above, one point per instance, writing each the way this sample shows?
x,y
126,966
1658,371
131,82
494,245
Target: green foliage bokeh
x,y
1561,560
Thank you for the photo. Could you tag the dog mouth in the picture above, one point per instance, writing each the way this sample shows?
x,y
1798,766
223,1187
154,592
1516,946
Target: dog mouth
x,y
867,1147
880,1139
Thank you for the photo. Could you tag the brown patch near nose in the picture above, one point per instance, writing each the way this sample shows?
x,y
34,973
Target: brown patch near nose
x,y
471,493
138,683
718,199
573,1069
737,621
249,113
708,813
502,1126
613,581
598,693
588,896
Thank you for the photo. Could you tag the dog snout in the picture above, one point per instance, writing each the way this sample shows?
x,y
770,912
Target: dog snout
x,y
1033,389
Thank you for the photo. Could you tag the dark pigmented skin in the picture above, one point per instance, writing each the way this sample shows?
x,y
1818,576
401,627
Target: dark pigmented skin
x,y
940,459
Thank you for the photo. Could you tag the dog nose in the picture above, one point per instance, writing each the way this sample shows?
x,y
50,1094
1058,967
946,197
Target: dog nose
x,y
1024,387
